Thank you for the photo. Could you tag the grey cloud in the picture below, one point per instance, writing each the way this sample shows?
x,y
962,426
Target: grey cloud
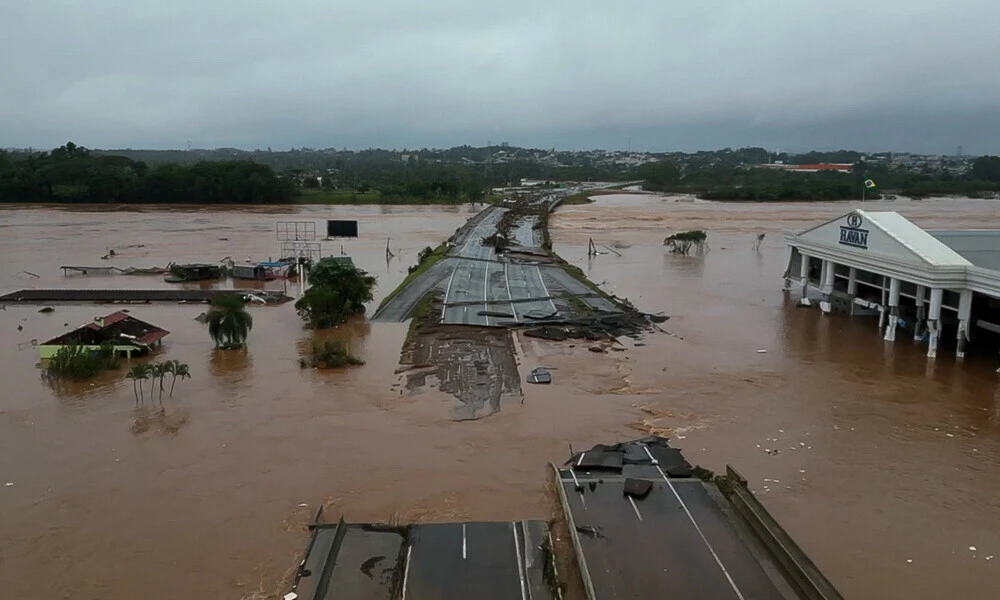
x,y
671,74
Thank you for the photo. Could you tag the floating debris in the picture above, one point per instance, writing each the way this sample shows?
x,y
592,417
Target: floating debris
x,y
540,375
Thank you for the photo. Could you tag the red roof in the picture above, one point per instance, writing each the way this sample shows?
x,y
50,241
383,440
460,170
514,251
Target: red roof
x,y
115,317
118,326
153,336
826,167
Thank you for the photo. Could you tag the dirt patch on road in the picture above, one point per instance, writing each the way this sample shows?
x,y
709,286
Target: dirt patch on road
x,y
476,365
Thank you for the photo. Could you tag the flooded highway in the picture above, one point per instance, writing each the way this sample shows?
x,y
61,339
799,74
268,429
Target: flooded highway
x,y
882,464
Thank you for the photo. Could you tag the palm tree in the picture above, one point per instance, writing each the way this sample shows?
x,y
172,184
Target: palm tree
x,y
168,368
180,370
136,373
229,323
159,370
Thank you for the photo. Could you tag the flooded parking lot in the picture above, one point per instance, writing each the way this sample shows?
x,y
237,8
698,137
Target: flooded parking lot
x,y
885,462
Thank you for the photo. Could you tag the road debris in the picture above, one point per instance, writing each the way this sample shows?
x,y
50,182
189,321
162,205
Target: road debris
x,y
540,375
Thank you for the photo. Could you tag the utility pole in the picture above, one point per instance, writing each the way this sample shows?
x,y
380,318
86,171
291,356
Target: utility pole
x,y
488,171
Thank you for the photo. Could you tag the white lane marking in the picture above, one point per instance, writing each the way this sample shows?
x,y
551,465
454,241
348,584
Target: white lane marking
x,y
406,571
510,298
447,291
527,553
635,508
520,566
690,517
486,293
578,487
547,294
464,554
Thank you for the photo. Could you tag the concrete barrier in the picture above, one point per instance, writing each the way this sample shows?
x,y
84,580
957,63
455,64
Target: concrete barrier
x,y
800,571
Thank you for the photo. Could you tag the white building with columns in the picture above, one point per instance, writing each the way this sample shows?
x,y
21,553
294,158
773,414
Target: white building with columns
x,y
927,283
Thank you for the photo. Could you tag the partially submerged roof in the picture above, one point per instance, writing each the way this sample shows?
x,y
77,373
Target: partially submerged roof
x,y
981,247
118,327
887,233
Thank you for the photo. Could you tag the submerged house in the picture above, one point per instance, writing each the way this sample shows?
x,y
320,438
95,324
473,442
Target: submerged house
x,y
259,272
193,272
129,335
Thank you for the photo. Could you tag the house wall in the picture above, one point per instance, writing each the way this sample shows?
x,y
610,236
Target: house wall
x,y
50,351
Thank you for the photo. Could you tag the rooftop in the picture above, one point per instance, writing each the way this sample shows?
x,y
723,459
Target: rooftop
x,y
981,247
917,240
118,327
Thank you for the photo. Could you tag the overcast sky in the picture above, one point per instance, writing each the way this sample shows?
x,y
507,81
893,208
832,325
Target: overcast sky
x,y
669,74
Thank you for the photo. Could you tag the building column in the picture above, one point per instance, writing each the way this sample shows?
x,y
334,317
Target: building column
x,y
788,269
918,325
826,287
964,312
890,331
934,321
881,305
852,287
804,281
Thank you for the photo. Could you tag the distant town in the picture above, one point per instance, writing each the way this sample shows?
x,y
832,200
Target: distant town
x,y
74,173
505,154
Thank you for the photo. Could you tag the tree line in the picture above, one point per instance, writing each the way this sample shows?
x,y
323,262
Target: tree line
x,y
728,181
74,174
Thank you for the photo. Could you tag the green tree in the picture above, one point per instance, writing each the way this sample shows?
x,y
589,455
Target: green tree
x,y
986,168
138,373
356,285
157,371
660,175
229,323
168,368
180,370
338,290
330,354
81,362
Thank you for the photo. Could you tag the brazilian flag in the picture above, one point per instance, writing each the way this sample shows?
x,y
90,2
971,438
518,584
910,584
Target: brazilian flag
x,y
869,183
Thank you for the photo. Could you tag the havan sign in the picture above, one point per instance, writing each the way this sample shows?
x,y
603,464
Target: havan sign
x,y
852,234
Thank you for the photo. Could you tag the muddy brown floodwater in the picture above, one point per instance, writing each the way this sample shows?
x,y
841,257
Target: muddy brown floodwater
x,y
886,470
